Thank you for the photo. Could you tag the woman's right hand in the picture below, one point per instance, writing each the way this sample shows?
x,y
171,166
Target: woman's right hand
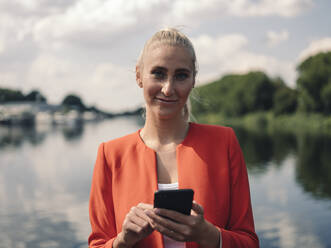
x,y
136,226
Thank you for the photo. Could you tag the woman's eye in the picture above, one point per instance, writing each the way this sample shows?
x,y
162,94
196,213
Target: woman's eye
x,y
181,76
158,74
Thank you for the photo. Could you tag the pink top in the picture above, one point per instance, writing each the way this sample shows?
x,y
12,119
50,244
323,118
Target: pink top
x,y
168,242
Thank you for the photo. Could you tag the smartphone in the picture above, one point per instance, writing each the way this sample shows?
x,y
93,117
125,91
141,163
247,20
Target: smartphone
x,y
179,200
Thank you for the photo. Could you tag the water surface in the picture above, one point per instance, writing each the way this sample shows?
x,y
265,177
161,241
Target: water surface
x,y
45,177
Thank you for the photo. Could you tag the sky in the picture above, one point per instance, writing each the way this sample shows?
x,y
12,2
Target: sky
x,y
90,47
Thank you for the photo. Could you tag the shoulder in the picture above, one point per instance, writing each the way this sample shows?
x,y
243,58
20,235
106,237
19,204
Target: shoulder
x,y
121,143
205,135
210,131
119,148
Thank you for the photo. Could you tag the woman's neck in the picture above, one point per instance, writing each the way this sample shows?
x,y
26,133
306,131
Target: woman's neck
x,y
164,133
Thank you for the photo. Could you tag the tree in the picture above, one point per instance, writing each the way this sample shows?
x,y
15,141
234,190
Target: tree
x,y
285,99
314,83
7,95
35,96
258,91
326,97
73,101
235,95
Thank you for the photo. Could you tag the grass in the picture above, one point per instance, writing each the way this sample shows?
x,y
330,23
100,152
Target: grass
x,y
267,121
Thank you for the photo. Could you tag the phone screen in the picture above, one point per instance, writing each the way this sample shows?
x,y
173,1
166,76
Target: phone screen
x,y
179,200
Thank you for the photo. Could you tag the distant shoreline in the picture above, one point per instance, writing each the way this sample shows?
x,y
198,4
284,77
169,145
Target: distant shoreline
x,y
266,121
34,113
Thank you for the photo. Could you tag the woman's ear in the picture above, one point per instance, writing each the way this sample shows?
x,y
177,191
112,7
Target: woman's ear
x,y
138,77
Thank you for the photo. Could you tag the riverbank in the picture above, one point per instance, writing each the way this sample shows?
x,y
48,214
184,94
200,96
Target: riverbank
x,y
33,113
267,121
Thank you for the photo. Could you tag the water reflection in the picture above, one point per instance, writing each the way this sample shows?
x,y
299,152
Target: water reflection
x,y
16,136
44,186
73,132
257,149
35,230
313,170
260,148
45,176
285,216
314,165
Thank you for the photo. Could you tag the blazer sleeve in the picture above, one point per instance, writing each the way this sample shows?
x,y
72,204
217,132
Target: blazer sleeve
x,y
240,231
101,208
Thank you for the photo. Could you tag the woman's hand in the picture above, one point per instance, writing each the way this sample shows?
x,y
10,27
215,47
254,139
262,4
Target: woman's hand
x,y
186,228
136,226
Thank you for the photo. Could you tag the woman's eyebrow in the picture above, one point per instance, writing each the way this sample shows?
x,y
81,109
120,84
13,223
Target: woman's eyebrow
x,y
159,68
165,69
183,70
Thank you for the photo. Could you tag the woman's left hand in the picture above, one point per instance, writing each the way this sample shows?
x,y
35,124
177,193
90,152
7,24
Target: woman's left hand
x,y
186,228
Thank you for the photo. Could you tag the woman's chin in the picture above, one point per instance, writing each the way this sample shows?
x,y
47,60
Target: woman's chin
x,y
167,114
163,113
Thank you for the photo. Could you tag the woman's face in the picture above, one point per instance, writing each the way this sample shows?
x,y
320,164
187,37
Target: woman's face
x,y
167,77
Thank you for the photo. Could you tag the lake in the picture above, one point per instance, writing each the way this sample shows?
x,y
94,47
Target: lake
x,y
45,177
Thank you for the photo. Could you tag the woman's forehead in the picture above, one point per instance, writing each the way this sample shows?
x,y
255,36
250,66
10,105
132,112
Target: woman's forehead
x,y
162,54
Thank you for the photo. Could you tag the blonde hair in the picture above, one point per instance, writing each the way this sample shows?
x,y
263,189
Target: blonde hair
x,y
172,37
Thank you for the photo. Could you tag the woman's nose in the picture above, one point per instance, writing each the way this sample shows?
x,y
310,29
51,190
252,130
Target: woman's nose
x,y
168,88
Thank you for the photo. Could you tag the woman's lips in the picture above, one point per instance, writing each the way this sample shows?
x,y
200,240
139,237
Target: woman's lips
x,y
166,100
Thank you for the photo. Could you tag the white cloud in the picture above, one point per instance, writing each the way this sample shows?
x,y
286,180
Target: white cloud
x,y
243,8
106,85
229,54
210,49
115,87
2,48
92,21
285,8
8,79
89,21
316,46
274,38
73,46
33,8
28,4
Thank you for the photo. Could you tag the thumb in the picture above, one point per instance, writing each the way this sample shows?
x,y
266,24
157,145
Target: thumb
x,y
197,209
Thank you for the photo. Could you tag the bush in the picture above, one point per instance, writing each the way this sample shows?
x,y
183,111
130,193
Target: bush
x,y
285,101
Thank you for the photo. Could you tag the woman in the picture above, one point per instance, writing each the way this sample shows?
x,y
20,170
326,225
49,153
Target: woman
x,y
170,152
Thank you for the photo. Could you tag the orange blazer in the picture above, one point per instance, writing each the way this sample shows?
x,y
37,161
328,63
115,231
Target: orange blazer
x,y
209,161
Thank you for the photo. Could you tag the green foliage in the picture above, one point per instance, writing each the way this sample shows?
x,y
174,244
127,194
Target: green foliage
x,y
314,83
7,95
235,95
238,95
313,166
285,101
292,123
35,96
73,101
326,97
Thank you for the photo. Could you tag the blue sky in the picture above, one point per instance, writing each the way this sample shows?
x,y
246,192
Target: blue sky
x,y
90,47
